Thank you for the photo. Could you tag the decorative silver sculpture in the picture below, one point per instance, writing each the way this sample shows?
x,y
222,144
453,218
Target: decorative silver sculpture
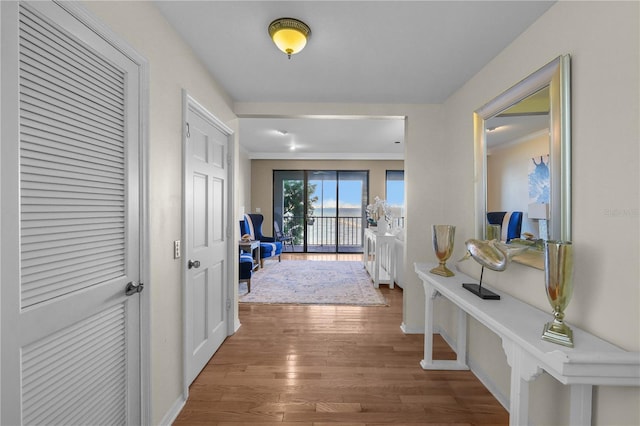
x,y
558,278
492,254
443,238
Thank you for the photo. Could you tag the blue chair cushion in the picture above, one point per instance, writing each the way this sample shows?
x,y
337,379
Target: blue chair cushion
x,y
511,223
246,265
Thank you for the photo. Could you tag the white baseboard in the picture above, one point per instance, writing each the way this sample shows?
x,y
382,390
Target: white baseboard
x,y
173,412
411,330
478,372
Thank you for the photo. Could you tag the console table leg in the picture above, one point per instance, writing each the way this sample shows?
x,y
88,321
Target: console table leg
x,y
428,363
461,339
428,327
519,404
581,397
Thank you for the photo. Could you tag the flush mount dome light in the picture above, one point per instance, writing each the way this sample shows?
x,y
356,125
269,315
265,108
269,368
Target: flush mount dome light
x,y
289,34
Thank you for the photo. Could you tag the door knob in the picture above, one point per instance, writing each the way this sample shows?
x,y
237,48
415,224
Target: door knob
x,y
193,264
133,288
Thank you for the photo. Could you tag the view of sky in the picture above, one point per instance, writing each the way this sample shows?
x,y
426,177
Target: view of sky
x,y
351,194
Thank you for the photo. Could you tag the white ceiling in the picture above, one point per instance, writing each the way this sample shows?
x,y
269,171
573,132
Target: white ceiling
x,y
394,52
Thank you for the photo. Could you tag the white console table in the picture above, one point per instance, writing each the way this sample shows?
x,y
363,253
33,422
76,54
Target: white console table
x,y
592,361
379,257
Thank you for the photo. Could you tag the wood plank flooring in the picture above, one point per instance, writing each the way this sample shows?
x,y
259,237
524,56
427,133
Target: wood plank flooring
x,y
333,365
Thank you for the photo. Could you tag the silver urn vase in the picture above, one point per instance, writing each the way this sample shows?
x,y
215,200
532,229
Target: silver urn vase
x,y
558,275
443,237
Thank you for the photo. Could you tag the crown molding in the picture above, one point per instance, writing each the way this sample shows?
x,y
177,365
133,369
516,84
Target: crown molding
x,y
323,156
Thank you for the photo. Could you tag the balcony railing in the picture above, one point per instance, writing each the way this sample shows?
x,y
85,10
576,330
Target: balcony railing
x,y
326,231
329,232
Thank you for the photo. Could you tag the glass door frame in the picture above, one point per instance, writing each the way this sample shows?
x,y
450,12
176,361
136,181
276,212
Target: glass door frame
x,y
304,175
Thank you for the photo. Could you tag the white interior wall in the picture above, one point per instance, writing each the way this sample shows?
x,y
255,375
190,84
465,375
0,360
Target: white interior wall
x,y
172,67
243,184
603,40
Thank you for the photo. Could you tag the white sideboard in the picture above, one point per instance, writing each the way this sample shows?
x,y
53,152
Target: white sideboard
x,y
379,257
592,361
399,248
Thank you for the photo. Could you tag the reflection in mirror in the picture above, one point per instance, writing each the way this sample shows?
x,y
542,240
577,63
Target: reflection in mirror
x,y
518,164
523,162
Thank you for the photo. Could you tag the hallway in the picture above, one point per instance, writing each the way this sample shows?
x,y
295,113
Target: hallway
x,y
316,365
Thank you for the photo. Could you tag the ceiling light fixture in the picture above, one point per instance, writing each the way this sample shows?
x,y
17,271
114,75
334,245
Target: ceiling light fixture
x,y
289,34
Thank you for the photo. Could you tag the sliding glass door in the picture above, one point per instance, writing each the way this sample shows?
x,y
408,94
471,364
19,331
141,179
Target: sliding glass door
x,y
323,209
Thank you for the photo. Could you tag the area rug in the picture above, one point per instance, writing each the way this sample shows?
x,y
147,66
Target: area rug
x,y
312,282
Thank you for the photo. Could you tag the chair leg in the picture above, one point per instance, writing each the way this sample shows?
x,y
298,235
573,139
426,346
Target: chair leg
x,y
249,286
262,263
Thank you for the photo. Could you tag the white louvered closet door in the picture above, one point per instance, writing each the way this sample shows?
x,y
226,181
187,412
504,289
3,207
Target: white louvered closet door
x,y
70,223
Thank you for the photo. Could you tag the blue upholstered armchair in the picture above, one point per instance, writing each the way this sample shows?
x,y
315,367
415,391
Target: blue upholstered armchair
x,y
511,223
246,268
269,247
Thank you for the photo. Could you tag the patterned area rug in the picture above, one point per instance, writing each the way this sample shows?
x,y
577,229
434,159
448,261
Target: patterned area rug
x,y
312,282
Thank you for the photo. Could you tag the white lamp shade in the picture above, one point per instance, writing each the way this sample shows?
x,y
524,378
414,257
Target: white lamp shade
x,y
538,211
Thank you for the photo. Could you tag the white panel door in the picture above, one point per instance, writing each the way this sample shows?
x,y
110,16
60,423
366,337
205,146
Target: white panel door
x,y
70,223
206,243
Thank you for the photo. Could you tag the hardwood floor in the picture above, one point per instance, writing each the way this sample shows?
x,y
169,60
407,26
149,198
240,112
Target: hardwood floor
x,y
333,365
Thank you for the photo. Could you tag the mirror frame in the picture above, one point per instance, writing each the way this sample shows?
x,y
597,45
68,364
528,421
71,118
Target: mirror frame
x,y
556,75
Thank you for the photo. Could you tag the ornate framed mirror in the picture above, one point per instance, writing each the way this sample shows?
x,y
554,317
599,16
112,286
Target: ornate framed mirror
x,y
523,161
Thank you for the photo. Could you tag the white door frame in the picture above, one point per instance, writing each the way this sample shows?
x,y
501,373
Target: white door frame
x,y
80,13
189,102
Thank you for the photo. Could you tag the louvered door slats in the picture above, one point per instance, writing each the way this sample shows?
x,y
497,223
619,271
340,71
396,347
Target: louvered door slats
x,y
39,381
61,370
33,245
69,221
51,190
69,215
60,160
57,282
37,352
41,167
74,183
50,269
58,355
69,142
41,102
34,68
37,68
67,96
74,57
83,63
46,97
70,407
72,161
70,253
88,122
63,284
76,130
